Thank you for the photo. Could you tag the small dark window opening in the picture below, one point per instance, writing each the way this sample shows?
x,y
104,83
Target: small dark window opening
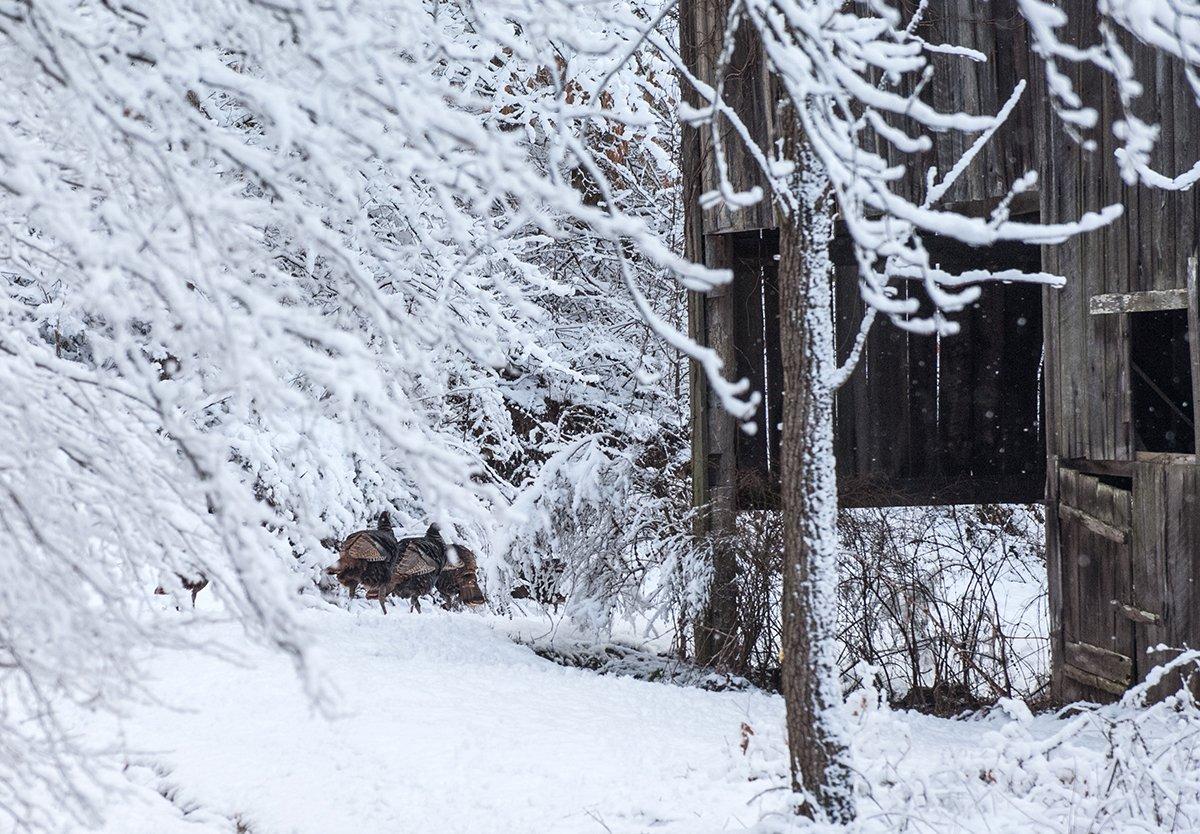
x,y
1160,373
1116,481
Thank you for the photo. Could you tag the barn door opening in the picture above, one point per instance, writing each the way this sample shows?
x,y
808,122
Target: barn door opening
x,y
1160,384
1095,517
922,420
759,358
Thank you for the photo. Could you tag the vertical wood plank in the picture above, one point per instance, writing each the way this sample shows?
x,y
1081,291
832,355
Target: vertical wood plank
x,y
749,347
1178,549
1189,543
716,633
1054,578
1194,340
774,350
1149,562
693,250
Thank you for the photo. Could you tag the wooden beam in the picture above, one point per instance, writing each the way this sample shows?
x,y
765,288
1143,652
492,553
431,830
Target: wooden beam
x,y
1165,457
1136,614
715,633
1149,382
690,151
1100,528
698,389
1105,468
1022,205
1150,301
1054,571
1193,306
1101,662
1094,681
1027,202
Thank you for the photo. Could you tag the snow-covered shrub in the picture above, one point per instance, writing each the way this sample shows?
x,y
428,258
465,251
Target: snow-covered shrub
x,y
269,268
1127,766
758,547
947,603
604,533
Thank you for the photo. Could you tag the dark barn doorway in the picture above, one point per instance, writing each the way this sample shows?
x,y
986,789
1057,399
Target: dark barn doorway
x,y
923,420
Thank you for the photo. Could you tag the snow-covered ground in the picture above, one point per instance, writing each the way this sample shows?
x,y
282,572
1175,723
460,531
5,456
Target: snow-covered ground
x,y
444,724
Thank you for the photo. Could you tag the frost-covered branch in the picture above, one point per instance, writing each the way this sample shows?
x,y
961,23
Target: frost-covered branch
x,y
844,72
267,269
1169,27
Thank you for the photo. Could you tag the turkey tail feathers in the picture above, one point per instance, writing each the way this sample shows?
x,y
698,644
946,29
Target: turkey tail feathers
x,y
363,546
461,581
468,589
419,557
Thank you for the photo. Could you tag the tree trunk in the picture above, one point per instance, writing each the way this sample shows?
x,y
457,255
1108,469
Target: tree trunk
x,y
811,688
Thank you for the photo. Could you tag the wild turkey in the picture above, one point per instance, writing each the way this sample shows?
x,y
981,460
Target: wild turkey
x,y
384,565
459,584
418,566
367,558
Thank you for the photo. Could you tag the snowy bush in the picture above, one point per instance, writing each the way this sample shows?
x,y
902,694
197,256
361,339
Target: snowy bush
x,y
1127,766
600,538
948,604
267,269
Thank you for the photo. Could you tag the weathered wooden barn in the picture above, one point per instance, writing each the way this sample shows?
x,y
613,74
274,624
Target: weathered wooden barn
x,y
1082,397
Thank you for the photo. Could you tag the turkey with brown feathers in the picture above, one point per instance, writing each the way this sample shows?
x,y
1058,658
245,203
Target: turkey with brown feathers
x,y
367,557
459,584
408,567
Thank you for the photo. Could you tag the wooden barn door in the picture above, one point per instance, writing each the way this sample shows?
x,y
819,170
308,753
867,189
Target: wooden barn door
x,y
1095,541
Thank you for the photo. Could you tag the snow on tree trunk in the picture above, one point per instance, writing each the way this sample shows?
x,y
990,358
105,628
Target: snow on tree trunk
x,y
816,742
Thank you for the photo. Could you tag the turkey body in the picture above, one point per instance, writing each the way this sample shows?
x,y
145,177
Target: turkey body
x,y
367,558
420,564
407,567
383,565
459,584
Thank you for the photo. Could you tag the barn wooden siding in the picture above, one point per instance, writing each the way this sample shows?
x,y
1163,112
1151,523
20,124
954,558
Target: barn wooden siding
x,y
922,420
996,29
710,322
969,406
946,443
1123,525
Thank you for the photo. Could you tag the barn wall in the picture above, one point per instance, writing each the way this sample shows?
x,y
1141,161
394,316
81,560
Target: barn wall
x,y
960,439
1115,593
1107,596
746,90
1123,529
1147,249
994,28
922,420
